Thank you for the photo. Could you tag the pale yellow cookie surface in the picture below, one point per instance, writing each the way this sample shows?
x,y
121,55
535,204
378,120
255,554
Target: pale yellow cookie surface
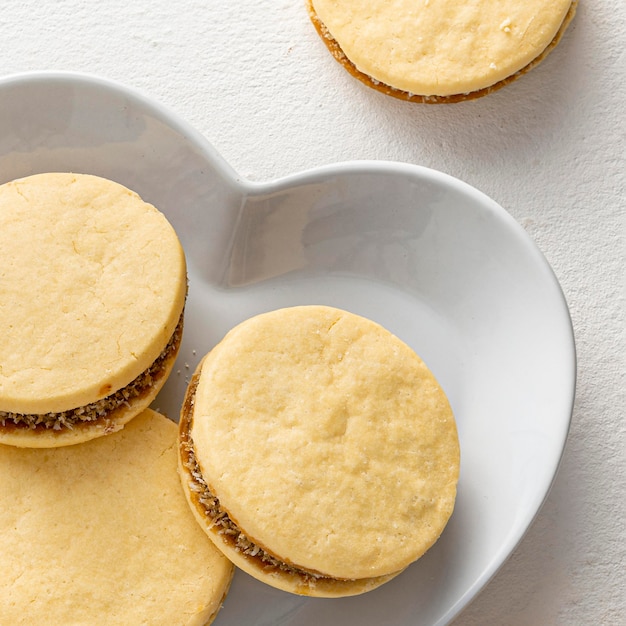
x,y
327,440
92,286
442,47
101,533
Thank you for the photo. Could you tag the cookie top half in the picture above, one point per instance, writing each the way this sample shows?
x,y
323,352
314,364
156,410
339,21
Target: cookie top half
x,y
328,442
100,533
92,287
442,47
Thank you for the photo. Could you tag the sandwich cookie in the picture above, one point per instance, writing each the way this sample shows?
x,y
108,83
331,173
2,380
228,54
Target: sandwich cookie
x,y
92,292
438,51
101,533
318,451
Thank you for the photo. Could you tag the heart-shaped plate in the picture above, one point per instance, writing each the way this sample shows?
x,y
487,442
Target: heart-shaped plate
x,y
429,257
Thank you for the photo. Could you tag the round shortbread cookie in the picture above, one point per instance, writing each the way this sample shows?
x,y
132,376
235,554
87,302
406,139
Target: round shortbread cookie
x,y
101,533
325,452
438,51
92,292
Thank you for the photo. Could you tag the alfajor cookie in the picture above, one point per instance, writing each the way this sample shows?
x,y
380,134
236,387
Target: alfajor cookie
x,y
438,51
318,451
92,293
100,533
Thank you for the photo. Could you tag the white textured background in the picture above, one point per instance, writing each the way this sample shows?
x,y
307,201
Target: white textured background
x,y
254,78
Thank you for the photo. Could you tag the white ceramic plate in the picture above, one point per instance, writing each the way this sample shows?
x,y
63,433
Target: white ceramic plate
x,y
432,259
